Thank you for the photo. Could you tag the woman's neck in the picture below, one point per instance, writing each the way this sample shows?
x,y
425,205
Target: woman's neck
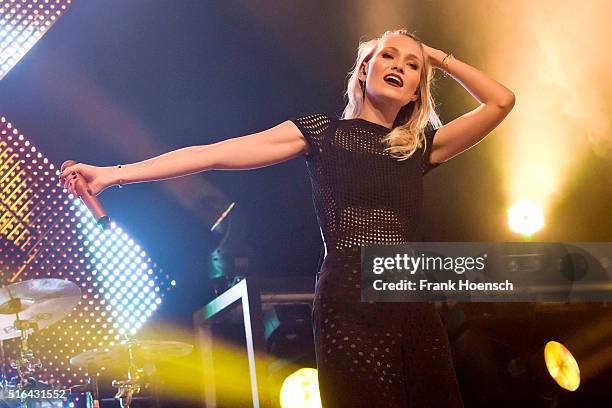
x,y
385,117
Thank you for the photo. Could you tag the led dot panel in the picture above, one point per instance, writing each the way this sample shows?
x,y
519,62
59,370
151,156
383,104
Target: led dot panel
x,y
124,276
47,233
22,23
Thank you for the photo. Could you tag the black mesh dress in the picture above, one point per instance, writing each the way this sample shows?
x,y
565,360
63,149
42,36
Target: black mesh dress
x,y
370,354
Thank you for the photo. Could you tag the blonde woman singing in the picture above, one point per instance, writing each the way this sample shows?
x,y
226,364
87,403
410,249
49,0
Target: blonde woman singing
x,y
366,170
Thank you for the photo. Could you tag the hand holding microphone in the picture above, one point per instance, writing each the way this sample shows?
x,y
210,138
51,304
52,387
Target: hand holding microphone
x,y
85,182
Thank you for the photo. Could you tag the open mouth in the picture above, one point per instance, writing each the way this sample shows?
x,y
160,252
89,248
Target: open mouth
x,y
394,80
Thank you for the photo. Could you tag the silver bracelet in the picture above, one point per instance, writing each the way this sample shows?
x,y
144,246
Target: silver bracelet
x,y
120,181
449,56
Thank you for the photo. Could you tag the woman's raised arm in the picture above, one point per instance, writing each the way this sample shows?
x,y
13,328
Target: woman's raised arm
x,y
496,102
272,146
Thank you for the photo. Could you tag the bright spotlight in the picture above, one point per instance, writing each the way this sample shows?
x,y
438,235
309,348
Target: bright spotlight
x,y
301,390
562,365
525,218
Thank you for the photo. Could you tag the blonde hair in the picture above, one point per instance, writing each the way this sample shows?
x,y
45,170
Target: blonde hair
x,y
407,134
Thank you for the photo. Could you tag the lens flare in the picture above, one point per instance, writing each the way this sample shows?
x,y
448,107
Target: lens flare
x,y
525,218
301,390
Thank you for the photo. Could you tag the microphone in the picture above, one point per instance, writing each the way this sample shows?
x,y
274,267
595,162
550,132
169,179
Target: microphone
x,y
88,198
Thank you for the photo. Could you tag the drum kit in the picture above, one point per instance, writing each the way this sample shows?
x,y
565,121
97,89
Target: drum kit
x,y
30,306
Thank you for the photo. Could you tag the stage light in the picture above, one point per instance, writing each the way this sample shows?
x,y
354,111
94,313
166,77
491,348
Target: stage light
x,y
114,249
549,371
47,233
301,390
562,366
525,218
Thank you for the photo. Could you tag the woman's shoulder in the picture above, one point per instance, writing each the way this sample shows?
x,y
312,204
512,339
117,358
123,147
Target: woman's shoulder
x,y
315,118
315,123
325,121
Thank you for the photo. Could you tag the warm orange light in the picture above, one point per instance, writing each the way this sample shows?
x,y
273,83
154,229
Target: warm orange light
x,y
525,218
562,365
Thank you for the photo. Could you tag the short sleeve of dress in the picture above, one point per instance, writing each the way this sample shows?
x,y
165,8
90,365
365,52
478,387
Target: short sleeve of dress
x,y
427,165
314,128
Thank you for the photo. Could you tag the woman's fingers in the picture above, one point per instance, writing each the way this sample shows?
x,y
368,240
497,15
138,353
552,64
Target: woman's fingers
x,y
70,169
69,183
72,188
68,174
66,171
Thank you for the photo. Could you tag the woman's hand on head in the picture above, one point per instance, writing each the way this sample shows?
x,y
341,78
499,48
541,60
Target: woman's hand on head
x,y
97,178
434,55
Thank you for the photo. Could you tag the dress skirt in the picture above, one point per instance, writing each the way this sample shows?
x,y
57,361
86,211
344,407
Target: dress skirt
x,y
377,354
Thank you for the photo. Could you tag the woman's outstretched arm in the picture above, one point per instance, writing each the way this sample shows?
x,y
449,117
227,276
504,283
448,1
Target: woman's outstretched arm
x,y
275,145
467,130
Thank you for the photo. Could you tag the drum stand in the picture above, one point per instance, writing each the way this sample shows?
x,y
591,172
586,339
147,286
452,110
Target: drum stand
x,y
4,382
91,389
26,363
126,389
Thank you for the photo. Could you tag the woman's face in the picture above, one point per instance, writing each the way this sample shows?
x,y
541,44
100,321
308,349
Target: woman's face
x,y
394,71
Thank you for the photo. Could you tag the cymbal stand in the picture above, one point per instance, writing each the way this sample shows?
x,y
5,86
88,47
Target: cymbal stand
x,y
26,363
4,382
93,393
126,389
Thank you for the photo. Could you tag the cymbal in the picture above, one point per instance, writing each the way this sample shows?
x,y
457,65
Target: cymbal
x,y
40,302
147,350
